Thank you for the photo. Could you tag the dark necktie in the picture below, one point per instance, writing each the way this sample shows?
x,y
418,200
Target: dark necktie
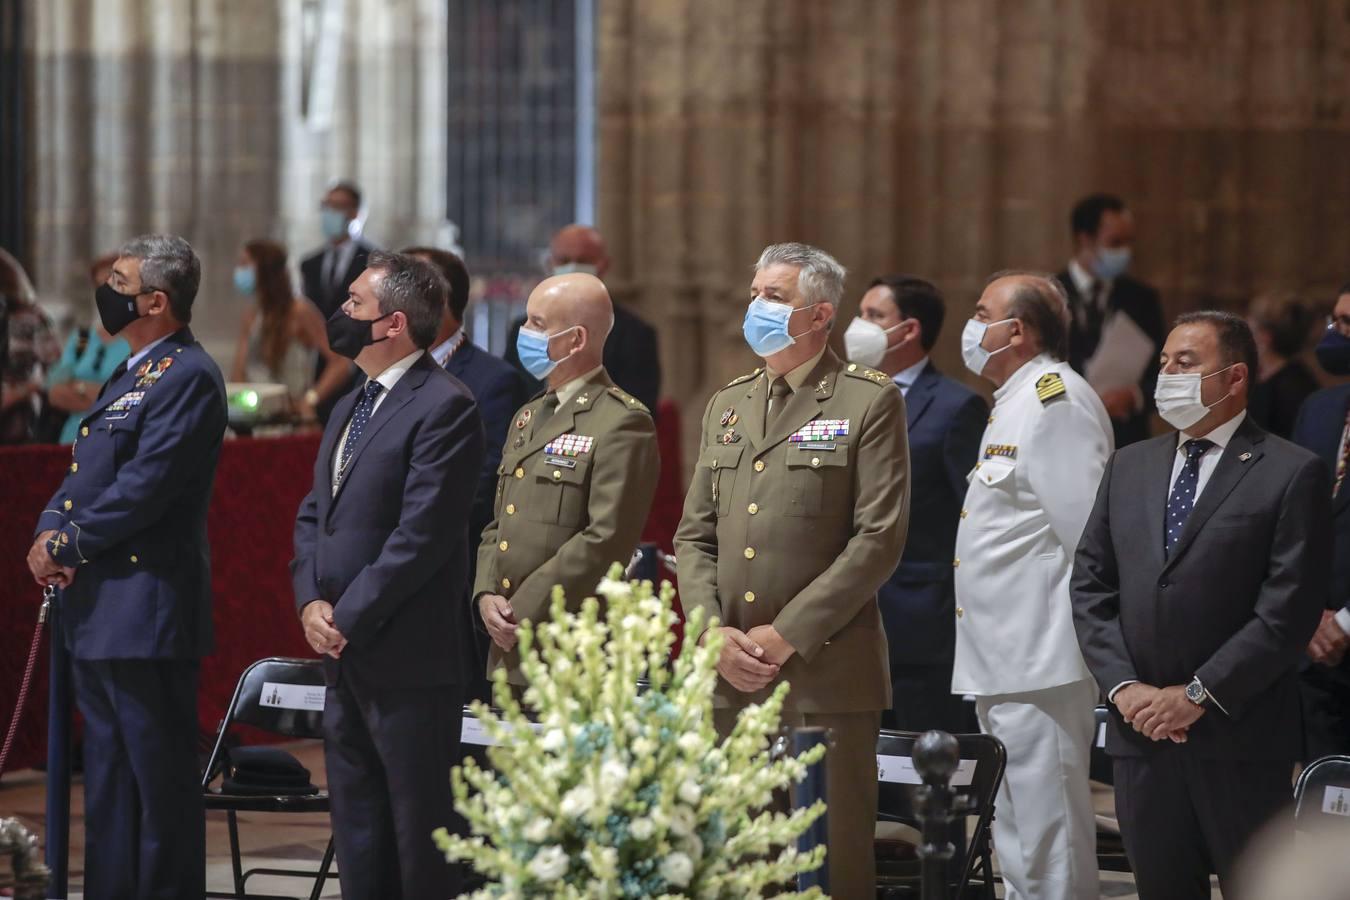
x,y
1344,462
1092,315
117,373
547,408
1182,500
360,419
779,392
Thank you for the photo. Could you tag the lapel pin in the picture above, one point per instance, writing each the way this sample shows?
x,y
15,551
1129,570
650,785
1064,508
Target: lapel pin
x,y
583,399
727,416
1244,457
823,385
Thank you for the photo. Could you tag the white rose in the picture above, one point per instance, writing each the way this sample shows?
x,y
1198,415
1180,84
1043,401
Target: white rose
x,y
554,740
642,828
613,774
677,869
578,801
643,747
682,822
690,793
690,742
537,831
550,863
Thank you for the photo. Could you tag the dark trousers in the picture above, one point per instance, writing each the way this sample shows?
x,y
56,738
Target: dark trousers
x,y
389,751
1182,818
1325,695
922,699
144,819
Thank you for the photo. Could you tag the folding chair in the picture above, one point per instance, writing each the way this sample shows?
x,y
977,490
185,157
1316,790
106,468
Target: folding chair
x,y
292,706
1110,847
983,759
1322,795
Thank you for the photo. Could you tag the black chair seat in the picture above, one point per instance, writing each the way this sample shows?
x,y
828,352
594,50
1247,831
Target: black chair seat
x,y
285,803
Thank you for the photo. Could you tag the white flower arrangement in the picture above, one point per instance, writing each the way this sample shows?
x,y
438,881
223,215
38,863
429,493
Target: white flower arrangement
x,y
626,792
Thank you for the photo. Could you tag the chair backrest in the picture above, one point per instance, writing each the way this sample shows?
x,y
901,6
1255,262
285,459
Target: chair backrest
x,y
1322,794
1100,767
280,695
983,760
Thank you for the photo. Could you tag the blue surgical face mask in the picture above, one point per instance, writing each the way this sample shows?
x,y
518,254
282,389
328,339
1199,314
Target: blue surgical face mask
x,y
245,280
1333,352
532,348
333,223
1112,262
766,326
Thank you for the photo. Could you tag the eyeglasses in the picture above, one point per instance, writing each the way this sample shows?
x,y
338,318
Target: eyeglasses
x,y
1340,323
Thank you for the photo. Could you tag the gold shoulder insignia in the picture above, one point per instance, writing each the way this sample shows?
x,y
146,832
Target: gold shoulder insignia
x,y
627,399
742,379
863,372
1049,386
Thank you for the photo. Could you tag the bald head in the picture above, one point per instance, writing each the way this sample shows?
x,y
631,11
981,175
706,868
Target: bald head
x,y
576,312
579,245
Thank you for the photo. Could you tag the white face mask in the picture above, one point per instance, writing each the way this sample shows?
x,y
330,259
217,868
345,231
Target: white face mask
x,y
972,336
865,342
1178,398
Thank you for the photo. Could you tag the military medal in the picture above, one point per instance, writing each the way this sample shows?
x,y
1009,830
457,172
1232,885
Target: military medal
x,y
728,416
730,437
523,420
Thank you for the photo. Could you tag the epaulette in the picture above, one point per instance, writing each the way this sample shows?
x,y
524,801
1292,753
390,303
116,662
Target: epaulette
x,y
1049,386
744,378
856,371
627,399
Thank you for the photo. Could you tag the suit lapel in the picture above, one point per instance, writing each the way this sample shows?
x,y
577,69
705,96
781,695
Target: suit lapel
x,y
564,419
751,413
1239,457
398,397
920,395
1159,482
114,389
804,405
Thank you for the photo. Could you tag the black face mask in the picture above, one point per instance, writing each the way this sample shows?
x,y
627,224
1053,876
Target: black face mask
x,y
1333,353
116,310
348,336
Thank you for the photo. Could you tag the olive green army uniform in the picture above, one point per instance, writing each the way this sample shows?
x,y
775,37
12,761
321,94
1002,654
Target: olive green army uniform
x,y
573,492
797,526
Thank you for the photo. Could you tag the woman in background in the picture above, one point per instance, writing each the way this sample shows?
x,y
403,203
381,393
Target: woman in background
x,y
30,348
89,359
279,333
1282,324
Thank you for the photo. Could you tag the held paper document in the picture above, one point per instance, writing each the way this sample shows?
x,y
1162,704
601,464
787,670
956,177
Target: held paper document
x,y
1123,354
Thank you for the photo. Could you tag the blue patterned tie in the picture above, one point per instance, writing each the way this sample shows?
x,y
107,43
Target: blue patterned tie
x,y
1182,500
360,419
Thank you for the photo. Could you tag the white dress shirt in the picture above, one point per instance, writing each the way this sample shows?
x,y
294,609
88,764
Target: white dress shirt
x,y
387,379
905,378
337,260
1221,436
135,359
442,352
1083,282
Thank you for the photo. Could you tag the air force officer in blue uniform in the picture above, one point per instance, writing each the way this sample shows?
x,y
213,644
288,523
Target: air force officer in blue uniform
x,y
381,556
126,537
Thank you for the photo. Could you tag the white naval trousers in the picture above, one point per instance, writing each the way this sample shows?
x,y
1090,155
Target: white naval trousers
x,y
1045,831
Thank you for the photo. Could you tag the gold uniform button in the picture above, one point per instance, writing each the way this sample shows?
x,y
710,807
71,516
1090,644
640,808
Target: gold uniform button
x,y
752,509
991,420
977,465
853,367
74,467
960,612
749,596
68,504
519,473
510,509
135,558
759,465
749,552
714,463
503,546
557,475
815,462
506,584
963,513
84,432
956,563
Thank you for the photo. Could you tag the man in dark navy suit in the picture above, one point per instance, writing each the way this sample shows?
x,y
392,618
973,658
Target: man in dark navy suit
x,y
632,354
945,421
125,535
381,557
1323,427
1197,584
499,391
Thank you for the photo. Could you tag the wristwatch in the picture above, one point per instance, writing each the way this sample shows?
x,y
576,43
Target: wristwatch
x,y
312,397
1196,693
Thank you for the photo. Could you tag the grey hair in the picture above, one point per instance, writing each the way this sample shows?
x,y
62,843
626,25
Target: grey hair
x,y
1041,302
820,278
413,287
168,264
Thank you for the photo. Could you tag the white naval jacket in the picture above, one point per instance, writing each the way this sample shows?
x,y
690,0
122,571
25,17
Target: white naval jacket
x,y
1041,460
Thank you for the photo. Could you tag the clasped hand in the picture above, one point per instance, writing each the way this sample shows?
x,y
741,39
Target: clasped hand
x,y
500,620
751,660
1158,713
47,571
322,634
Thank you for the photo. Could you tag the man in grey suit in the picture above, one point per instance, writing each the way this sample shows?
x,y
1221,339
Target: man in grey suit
x,y
1198,582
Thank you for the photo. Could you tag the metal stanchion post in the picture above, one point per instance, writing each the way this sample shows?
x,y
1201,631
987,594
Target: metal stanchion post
x,y
808,792
58,756
936,757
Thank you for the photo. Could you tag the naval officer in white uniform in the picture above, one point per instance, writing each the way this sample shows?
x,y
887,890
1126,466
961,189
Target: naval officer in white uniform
x,y
1041,458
